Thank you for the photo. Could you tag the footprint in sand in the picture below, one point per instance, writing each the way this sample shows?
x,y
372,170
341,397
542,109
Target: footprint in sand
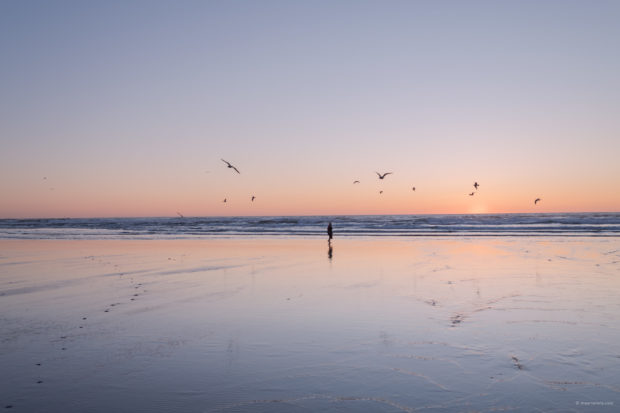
x,y
517,363
457,319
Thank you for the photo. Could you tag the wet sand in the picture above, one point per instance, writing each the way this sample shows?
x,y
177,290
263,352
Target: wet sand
x,y
385,325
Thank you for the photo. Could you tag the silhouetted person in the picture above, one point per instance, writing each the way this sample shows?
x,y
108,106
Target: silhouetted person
x,y
330,232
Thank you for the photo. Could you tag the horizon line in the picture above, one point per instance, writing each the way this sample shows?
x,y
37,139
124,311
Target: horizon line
x,y
313,215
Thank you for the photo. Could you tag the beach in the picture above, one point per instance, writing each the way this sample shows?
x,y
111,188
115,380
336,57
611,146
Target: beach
x,y
286,324
309,206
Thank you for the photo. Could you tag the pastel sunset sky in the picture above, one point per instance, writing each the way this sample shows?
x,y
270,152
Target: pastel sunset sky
x,y
125,108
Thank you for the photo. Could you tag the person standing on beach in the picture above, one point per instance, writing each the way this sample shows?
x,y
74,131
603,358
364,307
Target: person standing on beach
x,y
330,232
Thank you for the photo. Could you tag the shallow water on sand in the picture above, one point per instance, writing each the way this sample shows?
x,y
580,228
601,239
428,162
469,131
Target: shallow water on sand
x,y
389,325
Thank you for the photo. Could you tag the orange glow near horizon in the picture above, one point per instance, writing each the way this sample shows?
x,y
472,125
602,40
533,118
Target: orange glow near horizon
x,y
347,200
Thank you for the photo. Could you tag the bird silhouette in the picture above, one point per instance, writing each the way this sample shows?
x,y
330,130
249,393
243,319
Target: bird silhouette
x,y
413,188
253,197
380,192
356,182
384,175
179,214
231,166
536,201
476,185
472,194
224,200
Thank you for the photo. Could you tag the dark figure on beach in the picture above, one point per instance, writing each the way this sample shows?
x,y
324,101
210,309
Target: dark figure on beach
x,y
330,232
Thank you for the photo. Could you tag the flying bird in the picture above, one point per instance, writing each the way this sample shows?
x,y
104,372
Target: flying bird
x,y
472,194
356,182
413,188
253,197
224,200
476,185
179,214
384,175
380,192
536,201
231,166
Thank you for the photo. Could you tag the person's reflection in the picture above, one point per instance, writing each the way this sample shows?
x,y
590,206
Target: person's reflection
x,y
330,234
330,250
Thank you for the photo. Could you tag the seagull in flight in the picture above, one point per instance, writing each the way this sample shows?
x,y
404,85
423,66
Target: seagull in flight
x,y
224,200
253,197
380,192
231,166
472,194
356,182
536,201
384,175
476,185
413,188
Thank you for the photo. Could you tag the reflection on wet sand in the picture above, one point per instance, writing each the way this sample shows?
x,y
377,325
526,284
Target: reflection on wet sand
x,y
268,324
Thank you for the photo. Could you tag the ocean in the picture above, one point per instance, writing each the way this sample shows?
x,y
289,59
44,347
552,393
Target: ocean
x,y
549,224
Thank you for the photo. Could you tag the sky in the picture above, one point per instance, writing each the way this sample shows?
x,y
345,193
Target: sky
x,y
126,108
